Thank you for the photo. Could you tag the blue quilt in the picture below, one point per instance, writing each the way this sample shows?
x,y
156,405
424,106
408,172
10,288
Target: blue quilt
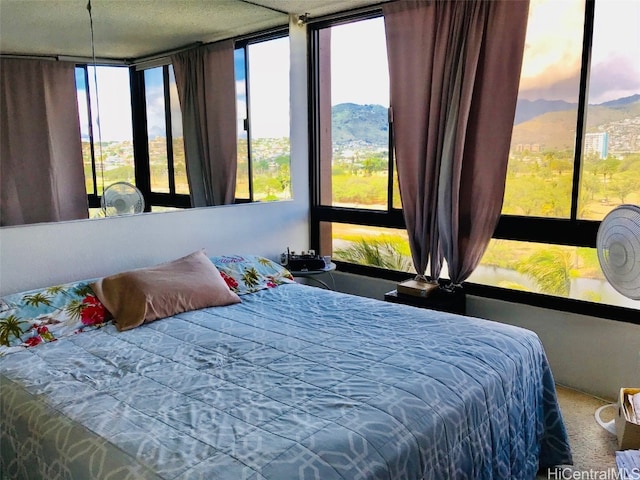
x,y
295,382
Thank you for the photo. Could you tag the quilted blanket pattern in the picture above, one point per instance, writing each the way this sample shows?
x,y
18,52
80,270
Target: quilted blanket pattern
x,y
295,382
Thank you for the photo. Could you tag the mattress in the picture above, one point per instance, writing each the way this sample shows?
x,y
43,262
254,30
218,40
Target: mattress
x,y
295,382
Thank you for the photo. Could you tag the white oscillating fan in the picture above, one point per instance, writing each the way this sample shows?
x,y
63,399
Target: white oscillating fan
x,y
122,198
618,245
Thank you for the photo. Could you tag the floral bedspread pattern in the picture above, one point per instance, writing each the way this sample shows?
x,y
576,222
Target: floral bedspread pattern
x,y
250,273
47,314
44,315
295,382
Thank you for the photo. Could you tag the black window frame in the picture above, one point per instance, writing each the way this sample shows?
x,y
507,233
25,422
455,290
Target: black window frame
x,y
140,137
142,162
244,44
556,231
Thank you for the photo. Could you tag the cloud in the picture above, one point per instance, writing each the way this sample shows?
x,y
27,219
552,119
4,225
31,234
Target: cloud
x,y
612,78
553,51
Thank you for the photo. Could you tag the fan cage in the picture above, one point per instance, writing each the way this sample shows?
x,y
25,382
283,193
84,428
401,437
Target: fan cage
x,y
122,198
618,247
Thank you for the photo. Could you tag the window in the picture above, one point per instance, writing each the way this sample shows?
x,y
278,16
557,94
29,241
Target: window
x,y
164,132
575,151
358,150
107,139
144,104
262,90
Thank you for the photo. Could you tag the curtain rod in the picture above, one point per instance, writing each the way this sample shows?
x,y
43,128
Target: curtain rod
x,y
17,56
256,4
65,58
160,56
345,14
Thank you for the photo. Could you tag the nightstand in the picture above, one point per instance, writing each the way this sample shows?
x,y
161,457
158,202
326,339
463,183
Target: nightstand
x,y
439,300
312,274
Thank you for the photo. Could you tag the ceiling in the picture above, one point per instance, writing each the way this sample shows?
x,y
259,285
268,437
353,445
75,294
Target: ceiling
x,y
134,29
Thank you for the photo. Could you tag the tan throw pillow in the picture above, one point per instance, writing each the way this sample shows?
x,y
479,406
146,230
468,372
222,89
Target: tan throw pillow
x,y
147,294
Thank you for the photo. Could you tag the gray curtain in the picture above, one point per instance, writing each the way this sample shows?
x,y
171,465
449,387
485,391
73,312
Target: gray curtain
x,y
454,75
205,79
41,170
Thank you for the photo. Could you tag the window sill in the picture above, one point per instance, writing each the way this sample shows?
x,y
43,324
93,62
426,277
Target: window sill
x,y
568,305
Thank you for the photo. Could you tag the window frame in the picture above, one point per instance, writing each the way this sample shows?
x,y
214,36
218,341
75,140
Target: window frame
x,y
142,161
244,44
557,231
142,167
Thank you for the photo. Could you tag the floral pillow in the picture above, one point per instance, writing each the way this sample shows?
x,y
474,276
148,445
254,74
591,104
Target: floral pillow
x,y
250,273
44,315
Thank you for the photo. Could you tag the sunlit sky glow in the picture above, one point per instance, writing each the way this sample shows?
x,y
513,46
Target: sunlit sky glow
x,y
359,69
551,65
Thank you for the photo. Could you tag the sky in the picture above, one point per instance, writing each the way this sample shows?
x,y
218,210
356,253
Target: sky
x,y
551,64
551,68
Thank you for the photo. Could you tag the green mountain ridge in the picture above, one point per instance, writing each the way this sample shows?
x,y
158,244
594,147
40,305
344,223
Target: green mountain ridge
x,y
356,125
359,124
556,130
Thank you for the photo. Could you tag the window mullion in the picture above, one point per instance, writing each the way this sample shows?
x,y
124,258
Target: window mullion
x,y
391,162
581,123
142,167
168,131
94,175
247,120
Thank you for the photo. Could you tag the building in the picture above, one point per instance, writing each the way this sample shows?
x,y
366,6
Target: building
x,y
597,143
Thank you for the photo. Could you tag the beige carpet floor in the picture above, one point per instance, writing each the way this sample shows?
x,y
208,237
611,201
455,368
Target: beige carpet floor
x,y
593,448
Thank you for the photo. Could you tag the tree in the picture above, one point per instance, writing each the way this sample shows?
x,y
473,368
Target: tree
x,y
550,268
376,252
623,185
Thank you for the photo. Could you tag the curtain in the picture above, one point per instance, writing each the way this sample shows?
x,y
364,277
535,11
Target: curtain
x,y
205,80
41,168
454,74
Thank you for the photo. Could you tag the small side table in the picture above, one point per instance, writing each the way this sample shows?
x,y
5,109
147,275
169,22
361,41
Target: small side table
x,y
312,274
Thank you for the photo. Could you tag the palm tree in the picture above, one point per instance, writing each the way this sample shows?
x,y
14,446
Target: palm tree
x,y
9,327
550,268
375,252
250,277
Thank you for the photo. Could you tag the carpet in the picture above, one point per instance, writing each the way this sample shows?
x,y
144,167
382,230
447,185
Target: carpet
x,y
593,448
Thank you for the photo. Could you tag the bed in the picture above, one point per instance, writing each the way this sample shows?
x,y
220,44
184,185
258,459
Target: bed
x,y
292,382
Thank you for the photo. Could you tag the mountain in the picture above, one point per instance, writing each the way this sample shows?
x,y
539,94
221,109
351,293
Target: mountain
x,y
527,109
362,124
622,102
548,124
555,130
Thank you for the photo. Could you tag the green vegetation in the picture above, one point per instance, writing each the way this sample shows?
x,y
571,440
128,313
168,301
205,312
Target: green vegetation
x,y
382,251
539,183
271,170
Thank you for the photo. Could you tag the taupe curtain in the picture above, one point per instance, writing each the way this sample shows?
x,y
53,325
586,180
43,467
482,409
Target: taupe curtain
x,y
41,171
205,79
454,75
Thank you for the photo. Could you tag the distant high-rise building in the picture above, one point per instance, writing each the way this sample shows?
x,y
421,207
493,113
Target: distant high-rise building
x,y
597,143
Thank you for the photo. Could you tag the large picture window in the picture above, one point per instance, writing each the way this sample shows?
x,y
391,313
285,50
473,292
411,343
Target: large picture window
x,y
575,151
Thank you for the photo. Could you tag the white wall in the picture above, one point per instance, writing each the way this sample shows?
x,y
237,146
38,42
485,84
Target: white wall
x,y
594,355
48,254
34,256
